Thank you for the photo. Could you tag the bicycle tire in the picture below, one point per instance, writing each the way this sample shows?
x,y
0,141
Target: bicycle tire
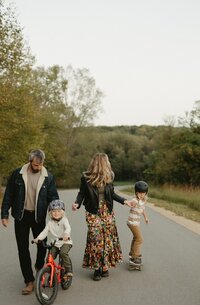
x,y
45,294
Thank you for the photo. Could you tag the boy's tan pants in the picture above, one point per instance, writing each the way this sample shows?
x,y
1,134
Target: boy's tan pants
x,y
137,240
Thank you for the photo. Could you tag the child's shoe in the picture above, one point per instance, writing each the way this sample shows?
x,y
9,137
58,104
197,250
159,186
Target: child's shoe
x,y
67,276
135,260
130,256
66,280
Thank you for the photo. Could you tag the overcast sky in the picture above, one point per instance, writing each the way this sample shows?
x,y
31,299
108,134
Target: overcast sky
x,y
143,54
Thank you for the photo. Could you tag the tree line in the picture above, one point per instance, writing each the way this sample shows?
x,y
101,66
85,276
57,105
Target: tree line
x,y
54,109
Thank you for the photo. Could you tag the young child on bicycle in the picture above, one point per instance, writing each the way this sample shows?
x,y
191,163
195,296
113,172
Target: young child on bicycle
x,y
133,222
58,226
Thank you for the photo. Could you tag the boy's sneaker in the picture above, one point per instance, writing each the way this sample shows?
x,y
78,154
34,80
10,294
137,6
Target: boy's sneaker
x,y
131,257
67,276
135,261
66,280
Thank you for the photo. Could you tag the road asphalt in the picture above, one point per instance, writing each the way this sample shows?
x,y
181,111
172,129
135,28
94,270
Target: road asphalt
x,y
170,274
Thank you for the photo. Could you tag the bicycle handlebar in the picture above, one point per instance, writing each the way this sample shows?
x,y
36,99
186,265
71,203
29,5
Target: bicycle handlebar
x,y
51,244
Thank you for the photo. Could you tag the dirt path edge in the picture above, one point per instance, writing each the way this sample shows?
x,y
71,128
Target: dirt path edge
x,y
187,223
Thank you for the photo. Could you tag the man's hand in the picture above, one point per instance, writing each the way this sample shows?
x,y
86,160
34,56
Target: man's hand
x,y
5,222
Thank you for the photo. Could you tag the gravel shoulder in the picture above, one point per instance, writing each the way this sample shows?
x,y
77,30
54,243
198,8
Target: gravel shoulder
x,y
189,224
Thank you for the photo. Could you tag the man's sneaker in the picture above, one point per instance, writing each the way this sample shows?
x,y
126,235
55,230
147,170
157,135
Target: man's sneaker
x,y
97,275
28,289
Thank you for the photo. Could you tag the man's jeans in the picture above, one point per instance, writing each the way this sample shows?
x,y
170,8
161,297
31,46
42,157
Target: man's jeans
x,y
22,232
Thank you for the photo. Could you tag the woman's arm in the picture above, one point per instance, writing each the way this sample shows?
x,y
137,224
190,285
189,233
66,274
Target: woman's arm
x,y
122,200
81,194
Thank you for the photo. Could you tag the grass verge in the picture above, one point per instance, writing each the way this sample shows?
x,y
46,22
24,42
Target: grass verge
x,y
177,208
182,202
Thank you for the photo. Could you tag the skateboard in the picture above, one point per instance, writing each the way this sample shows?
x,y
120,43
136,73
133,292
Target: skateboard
x,y
133,266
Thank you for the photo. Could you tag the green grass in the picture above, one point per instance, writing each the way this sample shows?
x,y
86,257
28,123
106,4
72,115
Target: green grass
x,y
183,201
185,196
121,183
177,208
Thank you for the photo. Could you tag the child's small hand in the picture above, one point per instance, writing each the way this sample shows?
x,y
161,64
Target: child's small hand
x,y
146,220
131,203
66,237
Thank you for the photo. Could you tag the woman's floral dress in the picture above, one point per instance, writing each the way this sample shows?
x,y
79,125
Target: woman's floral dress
x,y
102,247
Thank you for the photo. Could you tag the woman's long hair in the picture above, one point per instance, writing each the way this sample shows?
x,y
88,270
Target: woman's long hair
x,y
99,171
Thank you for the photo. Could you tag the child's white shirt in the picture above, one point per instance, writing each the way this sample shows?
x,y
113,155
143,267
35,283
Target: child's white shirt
x,y
136,212
57,229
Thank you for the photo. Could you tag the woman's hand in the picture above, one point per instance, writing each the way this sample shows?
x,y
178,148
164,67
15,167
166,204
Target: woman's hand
x,y
74,206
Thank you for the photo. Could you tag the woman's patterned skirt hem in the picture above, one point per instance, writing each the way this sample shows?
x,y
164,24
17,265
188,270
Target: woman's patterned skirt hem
x,y
103,248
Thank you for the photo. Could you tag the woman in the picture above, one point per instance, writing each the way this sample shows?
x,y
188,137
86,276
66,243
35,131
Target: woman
x,y
97,194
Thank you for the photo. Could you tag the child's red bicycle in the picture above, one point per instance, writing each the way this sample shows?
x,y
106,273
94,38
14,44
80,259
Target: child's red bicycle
x,y
49,277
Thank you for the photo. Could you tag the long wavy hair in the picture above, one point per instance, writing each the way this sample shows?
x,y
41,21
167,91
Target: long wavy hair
x,y
99,172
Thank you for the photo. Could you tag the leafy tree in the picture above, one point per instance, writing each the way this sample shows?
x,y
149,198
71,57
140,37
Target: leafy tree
x,y
19,124
175,158
192,118
83,95
64,113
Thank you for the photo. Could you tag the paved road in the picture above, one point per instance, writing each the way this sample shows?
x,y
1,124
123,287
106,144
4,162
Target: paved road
x,y
170,276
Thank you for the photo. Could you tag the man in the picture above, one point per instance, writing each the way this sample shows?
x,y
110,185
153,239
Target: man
x,y
28,193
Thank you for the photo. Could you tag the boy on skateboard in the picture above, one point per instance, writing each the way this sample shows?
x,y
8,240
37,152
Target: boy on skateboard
x,y
133,222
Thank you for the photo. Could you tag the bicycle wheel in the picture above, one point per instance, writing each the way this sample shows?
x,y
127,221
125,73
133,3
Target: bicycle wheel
x,y
45,294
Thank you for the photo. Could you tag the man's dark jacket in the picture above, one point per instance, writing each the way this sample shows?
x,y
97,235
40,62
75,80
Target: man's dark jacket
x,y
15,194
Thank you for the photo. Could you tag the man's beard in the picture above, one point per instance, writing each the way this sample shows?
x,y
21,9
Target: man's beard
x,y
34,170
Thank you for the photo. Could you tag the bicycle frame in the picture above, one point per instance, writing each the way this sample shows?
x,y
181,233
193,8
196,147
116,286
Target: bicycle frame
x,y
49,277
55,268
